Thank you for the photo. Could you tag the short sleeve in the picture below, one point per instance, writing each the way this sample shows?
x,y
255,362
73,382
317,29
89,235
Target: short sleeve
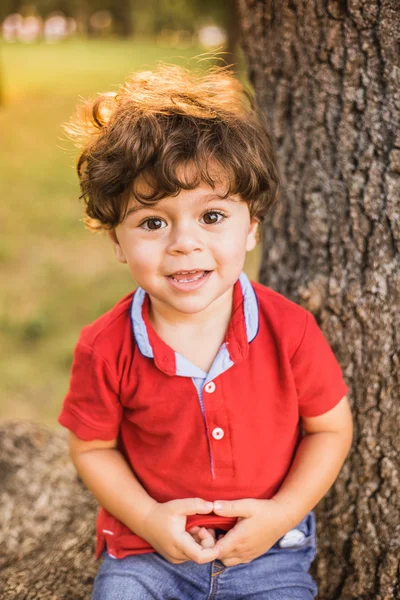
x,y
91,408
317,373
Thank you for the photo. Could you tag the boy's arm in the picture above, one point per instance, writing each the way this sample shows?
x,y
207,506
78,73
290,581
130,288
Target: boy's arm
x,y
317,462
321,453
108,476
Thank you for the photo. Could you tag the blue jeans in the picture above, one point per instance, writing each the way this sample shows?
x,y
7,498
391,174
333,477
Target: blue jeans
x,y
279,574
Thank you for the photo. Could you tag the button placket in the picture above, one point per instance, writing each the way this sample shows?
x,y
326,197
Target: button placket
x,y
217,432
217,420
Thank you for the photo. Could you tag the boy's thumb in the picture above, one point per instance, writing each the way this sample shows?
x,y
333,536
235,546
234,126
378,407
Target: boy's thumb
x,y
193,506
231,508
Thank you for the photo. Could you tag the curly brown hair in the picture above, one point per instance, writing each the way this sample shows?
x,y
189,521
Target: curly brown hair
x,y
160,120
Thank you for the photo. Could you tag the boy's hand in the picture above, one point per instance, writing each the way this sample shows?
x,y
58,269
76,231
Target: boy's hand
x,y
164,528
260,524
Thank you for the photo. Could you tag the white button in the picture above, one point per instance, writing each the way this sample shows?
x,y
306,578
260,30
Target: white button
x,y
294,537
218,433
210,387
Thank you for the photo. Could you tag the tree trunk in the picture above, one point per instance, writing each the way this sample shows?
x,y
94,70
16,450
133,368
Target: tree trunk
x,y
47,518
326,74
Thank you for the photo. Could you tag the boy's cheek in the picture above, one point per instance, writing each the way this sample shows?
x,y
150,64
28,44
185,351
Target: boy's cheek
x,y
235,254
142,259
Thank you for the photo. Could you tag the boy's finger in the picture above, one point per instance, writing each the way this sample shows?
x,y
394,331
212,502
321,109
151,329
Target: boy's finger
x,y
195,537
191,506
207,539
212,532
208,542
234,508
206,533
195,552
194,530
204,536
227,542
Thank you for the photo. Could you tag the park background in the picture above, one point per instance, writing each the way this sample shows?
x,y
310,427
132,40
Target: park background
x,y
56,276
327,77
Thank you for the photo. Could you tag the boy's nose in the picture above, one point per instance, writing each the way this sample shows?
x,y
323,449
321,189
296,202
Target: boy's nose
x,y
184,241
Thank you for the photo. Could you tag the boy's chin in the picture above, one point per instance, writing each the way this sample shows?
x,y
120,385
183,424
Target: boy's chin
x,y
190,306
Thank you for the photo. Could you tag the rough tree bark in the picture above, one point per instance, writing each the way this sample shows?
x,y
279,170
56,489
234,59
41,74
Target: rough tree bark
x,y
326,74
47,518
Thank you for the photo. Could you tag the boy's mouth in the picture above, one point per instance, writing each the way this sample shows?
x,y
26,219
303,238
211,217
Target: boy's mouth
x,y
188,276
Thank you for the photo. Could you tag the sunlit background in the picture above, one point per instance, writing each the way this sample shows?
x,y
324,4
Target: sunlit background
x,y
55,276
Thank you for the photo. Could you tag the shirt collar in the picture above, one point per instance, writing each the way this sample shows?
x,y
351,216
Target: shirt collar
x,y
242,329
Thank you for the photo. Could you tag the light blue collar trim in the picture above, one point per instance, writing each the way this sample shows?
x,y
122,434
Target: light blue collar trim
x,y
222,362
250,307
186,368
183,365
138,324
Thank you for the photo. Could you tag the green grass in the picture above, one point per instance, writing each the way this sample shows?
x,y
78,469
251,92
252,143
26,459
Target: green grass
x,y
55,276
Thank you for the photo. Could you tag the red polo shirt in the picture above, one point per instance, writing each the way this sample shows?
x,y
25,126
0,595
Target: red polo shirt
x,y
225,435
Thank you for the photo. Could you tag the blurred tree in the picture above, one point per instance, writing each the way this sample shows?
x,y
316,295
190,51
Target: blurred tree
x,y
158,15
8,7
327,78
151,17
5,9
225,15
1,85
42,7
121,10
122,13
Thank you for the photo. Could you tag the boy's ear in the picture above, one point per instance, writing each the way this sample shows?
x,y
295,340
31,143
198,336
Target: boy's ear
x,y
118,250
251,241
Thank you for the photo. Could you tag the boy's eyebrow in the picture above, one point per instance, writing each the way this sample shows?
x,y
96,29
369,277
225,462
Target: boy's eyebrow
x,y
206,198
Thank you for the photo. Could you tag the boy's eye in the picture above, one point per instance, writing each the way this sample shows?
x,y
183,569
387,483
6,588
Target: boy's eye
x,y
213,216
153,224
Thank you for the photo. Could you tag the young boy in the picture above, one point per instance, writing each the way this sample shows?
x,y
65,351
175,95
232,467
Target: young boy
x,y
207,413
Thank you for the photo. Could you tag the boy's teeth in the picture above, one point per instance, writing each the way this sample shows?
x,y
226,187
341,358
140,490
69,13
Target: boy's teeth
x,y
182,276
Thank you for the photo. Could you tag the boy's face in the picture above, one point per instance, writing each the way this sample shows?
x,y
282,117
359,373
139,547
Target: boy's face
x,y
194,231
